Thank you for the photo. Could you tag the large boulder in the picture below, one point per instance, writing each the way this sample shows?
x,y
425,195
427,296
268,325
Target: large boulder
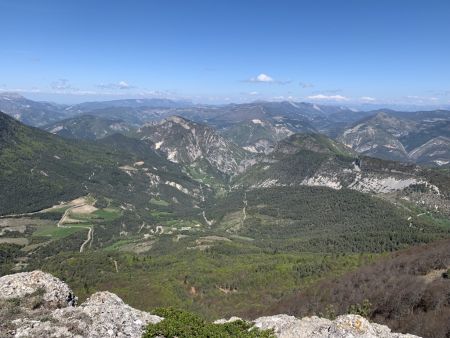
x,y
35,304
53,291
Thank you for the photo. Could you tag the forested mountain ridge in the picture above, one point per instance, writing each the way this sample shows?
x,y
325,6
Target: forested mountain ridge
x,y
40,169
315,160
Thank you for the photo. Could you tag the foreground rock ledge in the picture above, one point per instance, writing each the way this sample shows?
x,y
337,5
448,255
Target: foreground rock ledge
x,y
34,304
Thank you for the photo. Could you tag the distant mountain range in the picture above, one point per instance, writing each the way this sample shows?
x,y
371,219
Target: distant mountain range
x,y
420,137
95,154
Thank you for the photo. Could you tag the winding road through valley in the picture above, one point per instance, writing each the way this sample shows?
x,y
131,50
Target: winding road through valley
x,y
62,225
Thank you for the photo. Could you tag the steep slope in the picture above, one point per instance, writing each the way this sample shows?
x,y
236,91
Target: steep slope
x,y
258,136
404,290
30,112
378,136
315,160
88,127
402,136
436,150
317,143
193,144
39,169
424,131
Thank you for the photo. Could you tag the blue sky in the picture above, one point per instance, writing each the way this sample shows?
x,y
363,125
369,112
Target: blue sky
x,y
347,52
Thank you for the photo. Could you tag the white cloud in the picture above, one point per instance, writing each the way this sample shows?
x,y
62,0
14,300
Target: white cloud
x,y
123,85
253,93
262,78
367,99
328,97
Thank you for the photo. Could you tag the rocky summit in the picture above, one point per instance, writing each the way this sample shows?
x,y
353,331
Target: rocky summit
x,y
36,304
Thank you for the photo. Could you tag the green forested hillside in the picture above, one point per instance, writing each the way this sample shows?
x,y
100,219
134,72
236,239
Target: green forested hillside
x,y
38,169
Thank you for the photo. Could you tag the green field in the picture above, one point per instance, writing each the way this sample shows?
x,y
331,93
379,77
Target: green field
x,y
54,232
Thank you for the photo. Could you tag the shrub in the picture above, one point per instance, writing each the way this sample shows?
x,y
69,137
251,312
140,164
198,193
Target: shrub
x,y
183,324
364,309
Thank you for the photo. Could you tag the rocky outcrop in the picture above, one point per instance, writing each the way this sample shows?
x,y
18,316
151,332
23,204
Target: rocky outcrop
x,y
34,304
103,315
345,326
54,292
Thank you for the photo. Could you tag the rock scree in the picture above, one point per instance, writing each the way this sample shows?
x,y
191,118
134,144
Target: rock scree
x,y
36,304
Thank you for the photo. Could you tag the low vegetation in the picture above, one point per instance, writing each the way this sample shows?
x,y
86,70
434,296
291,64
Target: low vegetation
x,y
184,324
407,290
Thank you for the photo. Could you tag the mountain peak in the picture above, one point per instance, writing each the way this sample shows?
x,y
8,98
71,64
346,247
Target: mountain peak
x,y
179,120
187,142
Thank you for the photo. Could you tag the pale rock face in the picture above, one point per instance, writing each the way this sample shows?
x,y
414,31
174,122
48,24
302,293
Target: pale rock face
x,y
103,315
323,181
187,142
26,283
346,326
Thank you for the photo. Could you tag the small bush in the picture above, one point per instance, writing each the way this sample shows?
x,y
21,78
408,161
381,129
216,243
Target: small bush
x,y
184,324
364,309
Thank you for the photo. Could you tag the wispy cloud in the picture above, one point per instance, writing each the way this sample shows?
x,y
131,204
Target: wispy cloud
x,y
306,85
61,84
20,90
439,92
328,97
119,85
422,98
367,99
328,91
